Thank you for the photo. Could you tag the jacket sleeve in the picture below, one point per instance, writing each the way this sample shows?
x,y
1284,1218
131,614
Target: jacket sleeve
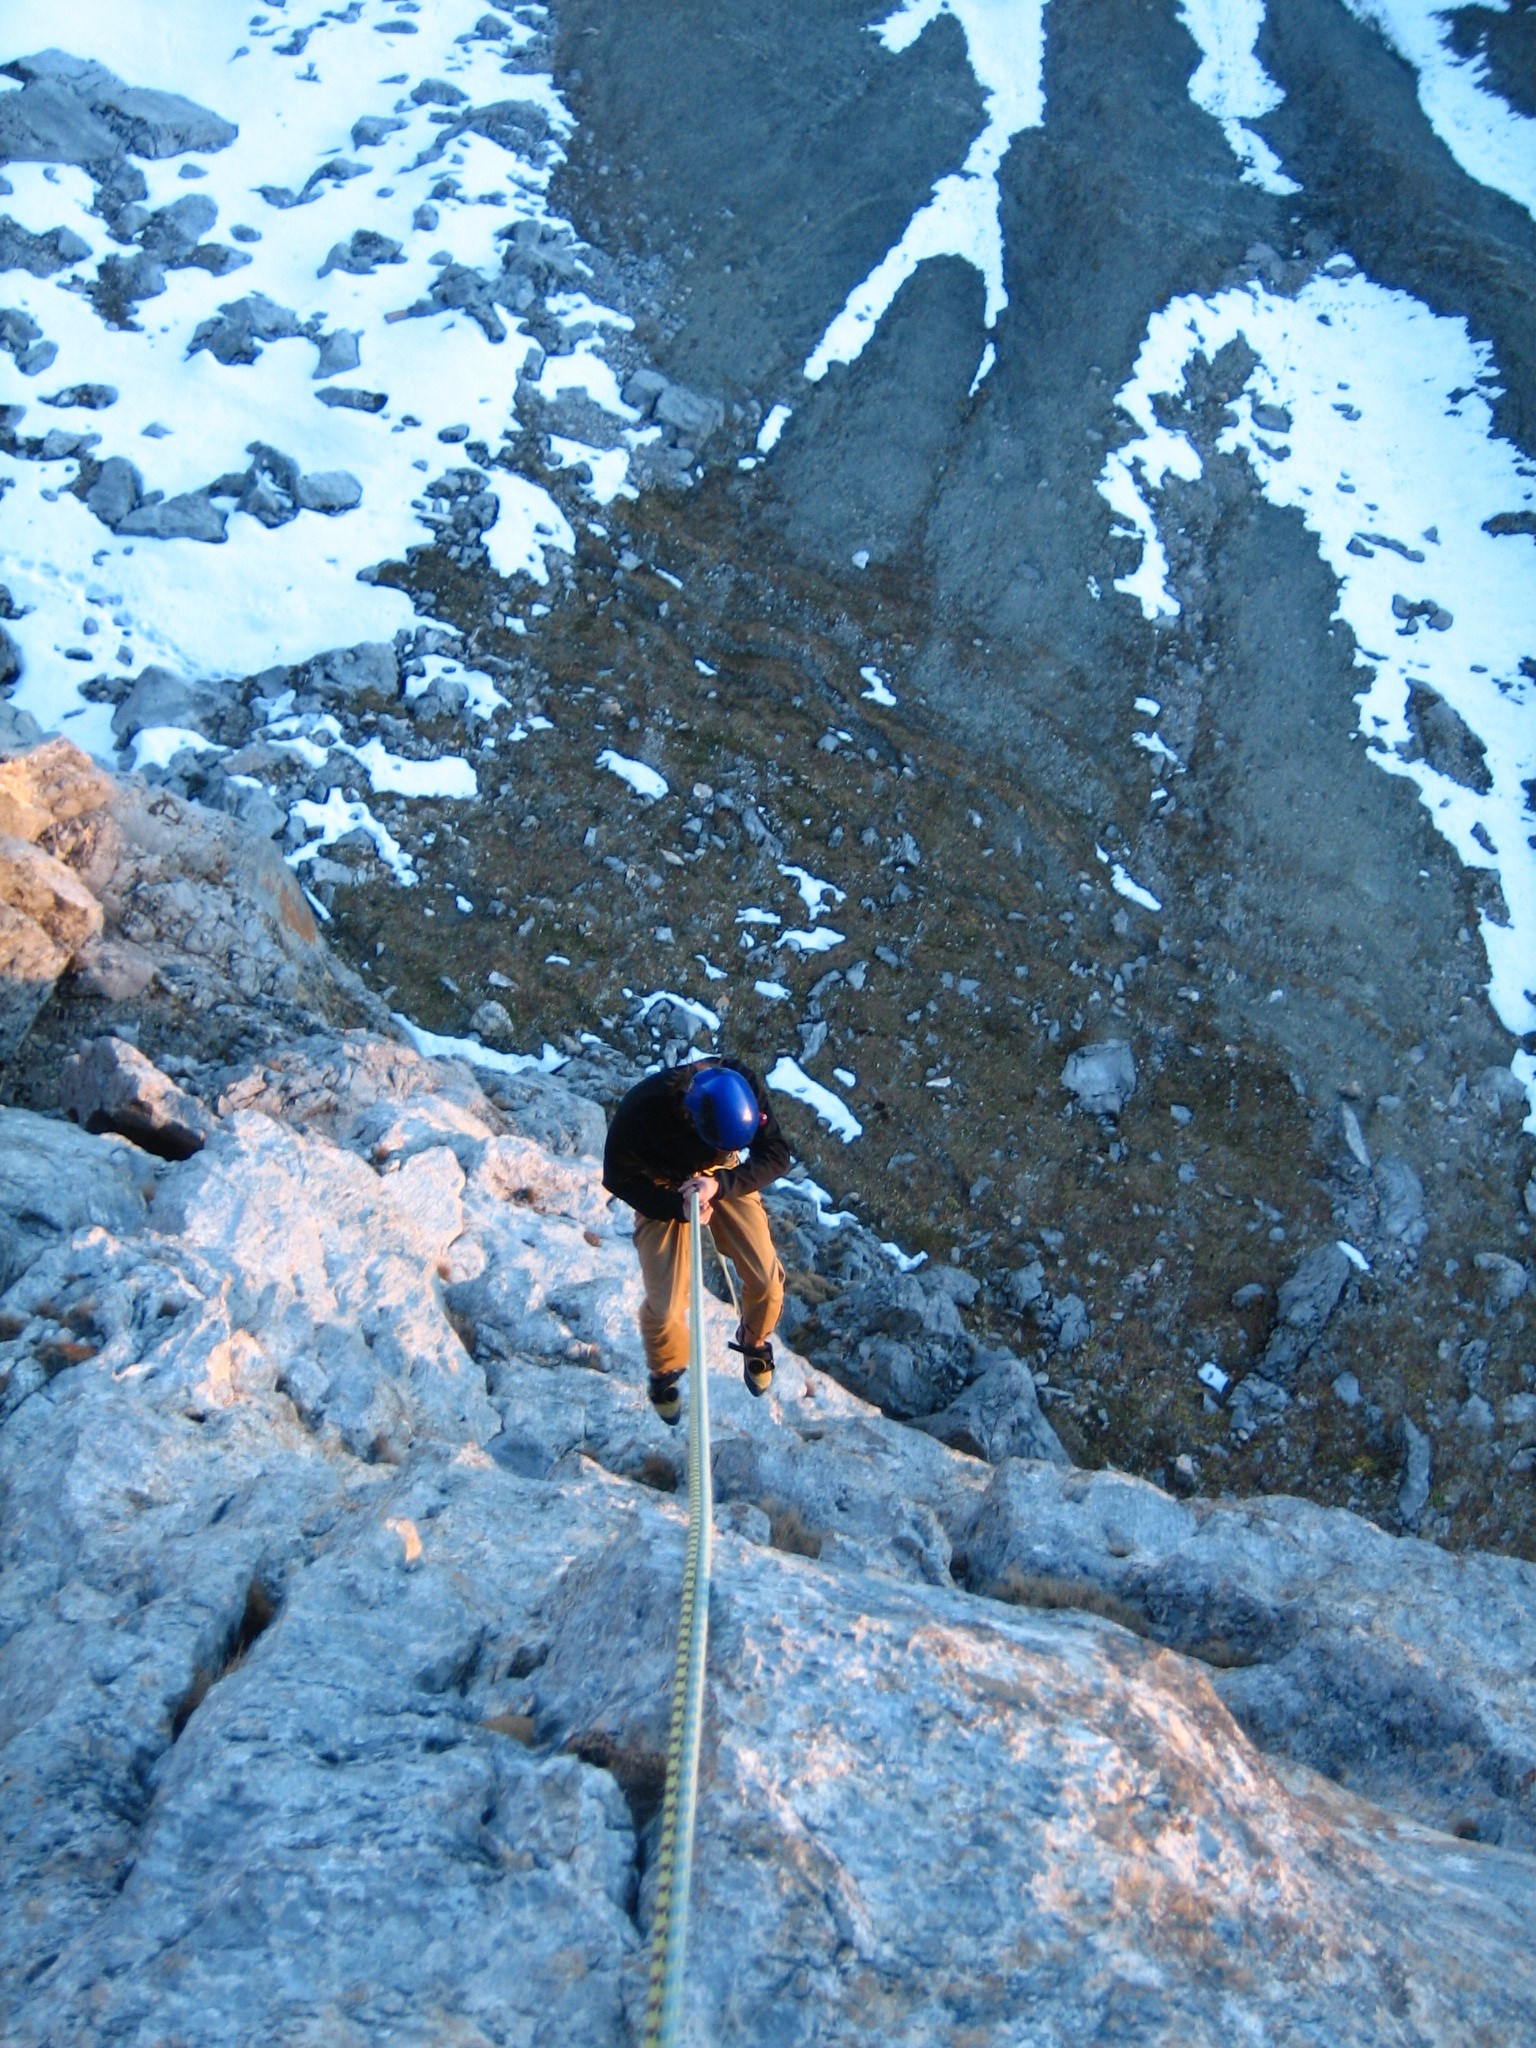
x,y
767,1158
625,1177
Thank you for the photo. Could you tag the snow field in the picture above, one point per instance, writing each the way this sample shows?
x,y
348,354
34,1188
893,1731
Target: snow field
x,y
1391,459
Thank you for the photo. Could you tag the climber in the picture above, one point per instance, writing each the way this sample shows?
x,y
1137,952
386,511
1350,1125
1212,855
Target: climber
x,y
708,1129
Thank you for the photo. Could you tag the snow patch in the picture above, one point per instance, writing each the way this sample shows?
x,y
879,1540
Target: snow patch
x,y
1393,463
1490,141
643,780
1005,43
790,1078
1232,85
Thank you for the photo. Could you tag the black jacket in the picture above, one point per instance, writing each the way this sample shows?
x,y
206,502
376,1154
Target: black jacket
x,y
653,1147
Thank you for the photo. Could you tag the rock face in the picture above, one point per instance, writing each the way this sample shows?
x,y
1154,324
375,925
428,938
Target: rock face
x,y
1393,1667
337,1618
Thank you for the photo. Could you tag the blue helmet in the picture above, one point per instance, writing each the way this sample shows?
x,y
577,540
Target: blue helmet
x,y
723,1109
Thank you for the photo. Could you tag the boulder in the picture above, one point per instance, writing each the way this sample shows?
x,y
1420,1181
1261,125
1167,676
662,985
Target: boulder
x,y
39,255
351,671
158,697
542,1108
71,110
210,913
895,1305
113,970
52,781
235,334
329,491
190,516
338,352
116,489
692,417
111,1086
642,388
90,397
903,1379
1413,1487
55,1179
37,886
998,1416
1101,1076
491,1022
30,965
1506,1279
1024,1287
1303,1305
362,252
1255,1401
1400,1196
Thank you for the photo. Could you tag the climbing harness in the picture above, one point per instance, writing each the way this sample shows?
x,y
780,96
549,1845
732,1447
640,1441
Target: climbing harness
x,y
674,1861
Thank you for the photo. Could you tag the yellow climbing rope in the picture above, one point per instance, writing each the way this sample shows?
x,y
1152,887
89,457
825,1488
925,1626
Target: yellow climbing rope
x,y
674,1860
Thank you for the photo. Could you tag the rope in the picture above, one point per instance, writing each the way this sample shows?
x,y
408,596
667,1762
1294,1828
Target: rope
x,y
674,1862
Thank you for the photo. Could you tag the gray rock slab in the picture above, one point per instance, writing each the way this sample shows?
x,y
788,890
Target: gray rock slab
x,y
111,1086
1396,1668
338,1635
998,1417
71,110
55,1179
191,515
160,697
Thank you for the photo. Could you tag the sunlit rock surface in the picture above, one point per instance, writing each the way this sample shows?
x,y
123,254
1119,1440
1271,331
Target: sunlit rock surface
x,y
340,1584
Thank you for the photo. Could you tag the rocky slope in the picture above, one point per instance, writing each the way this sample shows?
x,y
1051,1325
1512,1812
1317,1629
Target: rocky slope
x,y
339,1583
567,470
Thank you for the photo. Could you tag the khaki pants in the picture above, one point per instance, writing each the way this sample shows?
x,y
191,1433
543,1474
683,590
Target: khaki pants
x,y
739,1228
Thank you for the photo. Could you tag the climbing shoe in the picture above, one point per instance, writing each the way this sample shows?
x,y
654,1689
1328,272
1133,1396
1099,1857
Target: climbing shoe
x,y
665,1398
756,1361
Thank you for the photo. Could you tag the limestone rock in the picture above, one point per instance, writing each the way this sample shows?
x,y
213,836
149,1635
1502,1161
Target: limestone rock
x,y
37,886
998,1417
541,1107
30,965
190,902
340,1594
1506,1278
53,1180
71,110
1400,1193
111,1086
1304,1303
159,697
53,782
1102,1077
1413,1490
1394,1667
